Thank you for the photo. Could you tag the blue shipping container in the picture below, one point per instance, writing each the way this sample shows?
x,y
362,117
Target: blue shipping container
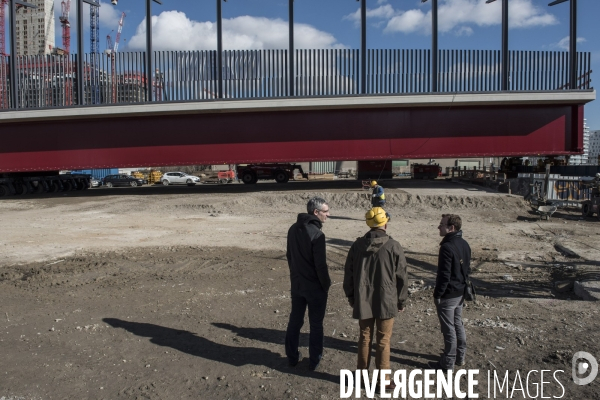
x,y
100,173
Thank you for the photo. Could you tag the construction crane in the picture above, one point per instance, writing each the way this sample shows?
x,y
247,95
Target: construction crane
x,y
112,51
94,43
66,44
119,32
66,25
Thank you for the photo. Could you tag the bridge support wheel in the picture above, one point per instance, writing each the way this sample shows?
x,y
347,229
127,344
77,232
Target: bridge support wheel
x,y
249,177
281,176
38,188
81,184
67,186
21,189
53,186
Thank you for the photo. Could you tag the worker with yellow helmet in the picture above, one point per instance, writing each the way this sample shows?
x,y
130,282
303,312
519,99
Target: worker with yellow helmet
x,y
376,285
378,196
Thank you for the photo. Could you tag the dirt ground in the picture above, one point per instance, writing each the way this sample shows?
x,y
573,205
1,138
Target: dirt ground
x,y
177,292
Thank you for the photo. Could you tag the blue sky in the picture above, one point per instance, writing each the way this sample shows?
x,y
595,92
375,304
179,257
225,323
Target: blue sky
x,y
256,24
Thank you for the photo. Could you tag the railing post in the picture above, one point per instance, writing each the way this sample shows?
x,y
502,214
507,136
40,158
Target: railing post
x,y
363,46
80,52
148,50
573,45
14,78
504,44
291,49
219,51
434,46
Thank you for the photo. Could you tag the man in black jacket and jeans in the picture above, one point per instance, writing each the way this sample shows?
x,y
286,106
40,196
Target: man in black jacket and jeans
x,y
310,281
453,266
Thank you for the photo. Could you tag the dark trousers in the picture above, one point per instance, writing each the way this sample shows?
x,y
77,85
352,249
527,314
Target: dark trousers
x,y
377,202
455,339
317,303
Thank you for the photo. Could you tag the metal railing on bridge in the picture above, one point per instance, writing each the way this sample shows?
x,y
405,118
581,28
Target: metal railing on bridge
x,y
50,81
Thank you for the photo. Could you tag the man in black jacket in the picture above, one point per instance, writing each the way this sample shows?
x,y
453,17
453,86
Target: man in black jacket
x,y
453,267
310,281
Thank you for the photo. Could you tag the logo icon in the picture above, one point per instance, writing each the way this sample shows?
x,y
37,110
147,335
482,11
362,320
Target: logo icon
x,y
584,363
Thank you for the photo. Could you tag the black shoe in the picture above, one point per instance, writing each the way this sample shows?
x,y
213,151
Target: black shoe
x,y
460,363
435,365
314,367
294,363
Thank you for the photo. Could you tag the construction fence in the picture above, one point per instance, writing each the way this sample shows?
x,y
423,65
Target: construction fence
x,y
568,189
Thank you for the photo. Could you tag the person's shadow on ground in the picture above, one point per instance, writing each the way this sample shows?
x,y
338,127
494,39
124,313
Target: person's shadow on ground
x,y
277,337
190,343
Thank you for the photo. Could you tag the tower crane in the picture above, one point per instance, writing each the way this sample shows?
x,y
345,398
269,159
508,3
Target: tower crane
x,y
94,28
94,42
112,51
66,43
66,25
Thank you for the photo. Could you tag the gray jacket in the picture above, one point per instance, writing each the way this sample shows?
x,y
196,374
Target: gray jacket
x,y
375,279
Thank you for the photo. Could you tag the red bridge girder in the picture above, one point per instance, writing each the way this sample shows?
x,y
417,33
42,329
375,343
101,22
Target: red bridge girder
x,y
307,130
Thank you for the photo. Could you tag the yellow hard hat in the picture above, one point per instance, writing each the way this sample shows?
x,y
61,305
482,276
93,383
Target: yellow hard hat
x,y
376,217
373,183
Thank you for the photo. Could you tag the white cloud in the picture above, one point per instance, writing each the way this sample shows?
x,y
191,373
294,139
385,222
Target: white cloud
x,y
173,30
564,42
410,21
109,15
464,31
523,14
458,16
383,12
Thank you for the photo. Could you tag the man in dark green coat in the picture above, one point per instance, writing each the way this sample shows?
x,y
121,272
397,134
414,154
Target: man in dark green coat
x,y
376,286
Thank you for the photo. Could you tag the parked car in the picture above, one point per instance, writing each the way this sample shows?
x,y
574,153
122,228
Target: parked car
x,y
95,182
179,178
123,180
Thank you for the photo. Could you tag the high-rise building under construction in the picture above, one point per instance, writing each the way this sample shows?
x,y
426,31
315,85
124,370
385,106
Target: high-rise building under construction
x,y
35,28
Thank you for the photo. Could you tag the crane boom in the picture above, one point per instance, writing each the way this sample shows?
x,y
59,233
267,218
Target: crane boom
x,y
119,32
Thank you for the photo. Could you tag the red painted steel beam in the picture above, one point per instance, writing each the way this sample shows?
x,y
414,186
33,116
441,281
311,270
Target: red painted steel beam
x,y
301,135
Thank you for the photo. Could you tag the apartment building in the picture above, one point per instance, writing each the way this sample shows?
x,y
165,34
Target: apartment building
x,y
35,28
594,156
582,159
